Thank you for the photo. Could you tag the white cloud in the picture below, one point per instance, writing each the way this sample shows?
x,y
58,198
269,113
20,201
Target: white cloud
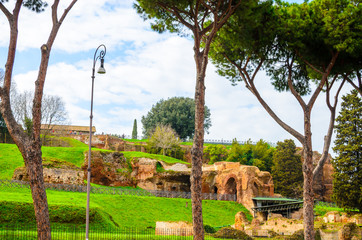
x,y
143,67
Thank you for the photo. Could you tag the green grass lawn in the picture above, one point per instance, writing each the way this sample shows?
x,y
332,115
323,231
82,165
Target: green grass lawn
x,y
10,157
120,211
166,159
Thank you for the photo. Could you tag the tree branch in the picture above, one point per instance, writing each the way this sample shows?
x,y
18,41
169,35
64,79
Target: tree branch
x,y
291,87
359,89
328,137
6,12
323,80
176,12
45,53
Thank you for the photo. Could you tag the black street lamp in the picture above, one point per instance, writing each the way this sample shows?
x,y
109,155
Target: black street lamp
x,y
101,70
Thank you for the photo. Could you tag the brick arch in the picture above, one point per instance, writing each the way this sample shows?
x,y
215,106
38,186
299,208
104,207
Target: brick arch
x,y
231,184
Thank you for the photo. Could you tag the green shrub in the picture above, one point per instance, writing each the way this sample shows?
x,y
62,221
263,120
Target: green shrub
x,y
209,229
215,153
19,212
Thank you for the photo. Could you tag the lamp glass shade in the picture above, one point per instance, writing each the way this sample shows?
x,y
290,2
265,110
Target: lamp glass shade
x,y
101,69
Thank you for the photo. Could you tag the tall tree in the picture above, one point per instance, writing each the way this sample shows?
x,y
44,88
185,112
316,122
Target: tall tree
x,y
347,178
203,18
178,112
287,170
297,44
30,146
134,131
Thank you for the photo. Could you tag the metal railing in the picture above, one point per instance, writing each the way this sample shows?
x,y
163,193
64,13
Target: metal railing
x,y
75,232
118,191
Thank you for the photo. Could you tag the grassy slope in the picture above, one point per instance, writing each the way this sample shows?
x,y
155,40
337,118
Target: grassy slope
x,y
128,211
10,157
131,211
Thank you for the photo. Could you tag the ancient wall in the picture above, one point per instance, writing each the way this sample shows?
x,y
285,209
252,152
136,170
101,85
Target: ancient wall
x,y
323,184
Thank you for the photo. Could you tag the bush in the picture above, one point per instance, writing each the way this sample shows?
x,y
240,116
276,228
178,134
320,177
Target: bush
x,y
215,153
299,235
209,229
231,233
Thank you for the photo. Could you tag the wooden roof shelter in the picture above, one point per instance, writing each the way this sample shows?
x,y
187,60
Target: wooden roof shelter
x,y
283,206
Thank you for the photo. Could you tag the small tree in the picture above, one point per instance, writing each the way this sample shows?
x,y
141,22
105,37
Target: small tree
x,y
241,153
347,178
134,131
164,137
263,156
287,170
236,152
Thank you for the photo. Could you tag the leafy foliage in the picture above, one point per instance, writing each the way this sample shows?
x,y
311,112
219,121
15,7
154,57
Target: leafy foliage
x,y
259,155
236,153
164,137
178,112
347,181
287,170
241,153
263,156
215,153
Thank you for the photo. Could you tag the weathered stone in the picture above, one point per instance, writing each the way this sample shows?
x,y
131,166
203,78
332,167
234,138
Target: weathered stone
x,y
342,217
62,174
244,181
109,169
297,214
350,231
280,225
174,228
323,183
241,220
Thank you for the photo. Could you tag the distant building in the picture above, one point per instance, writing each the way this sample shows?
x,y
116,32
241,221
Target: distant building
x,y
65,129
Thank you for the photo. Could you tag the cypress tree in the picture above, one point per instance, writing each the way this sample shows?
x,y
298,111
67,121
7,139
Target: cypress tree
x,y
347,181
287,170
134,131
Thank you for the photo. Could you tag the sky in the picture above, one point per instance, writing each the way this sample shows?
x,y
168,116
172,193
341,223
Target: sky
x,y
142,67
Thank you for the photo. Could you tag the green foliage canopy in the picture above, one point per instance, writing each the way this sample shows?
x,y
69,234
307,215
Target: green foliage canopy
x,y
215,153
178,112
287,170
347,181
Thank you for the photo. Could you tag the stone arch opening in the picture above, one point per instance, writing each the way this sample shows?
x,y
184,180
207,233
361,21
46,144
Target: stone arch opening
x,y
215,189
230,186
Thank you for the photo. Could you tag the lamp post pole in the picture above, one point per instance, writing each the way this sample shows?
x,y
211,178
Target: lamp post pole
x,y
101,70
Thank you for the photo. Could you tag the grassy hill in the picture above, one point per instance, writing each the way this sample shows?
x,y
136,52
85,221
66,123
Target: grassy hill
x,y
106,210
112,210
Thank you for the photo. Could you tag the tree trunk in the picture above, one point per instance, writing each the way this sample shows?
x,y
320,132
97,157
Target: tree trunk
x,y
197,148
308,194
34,165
